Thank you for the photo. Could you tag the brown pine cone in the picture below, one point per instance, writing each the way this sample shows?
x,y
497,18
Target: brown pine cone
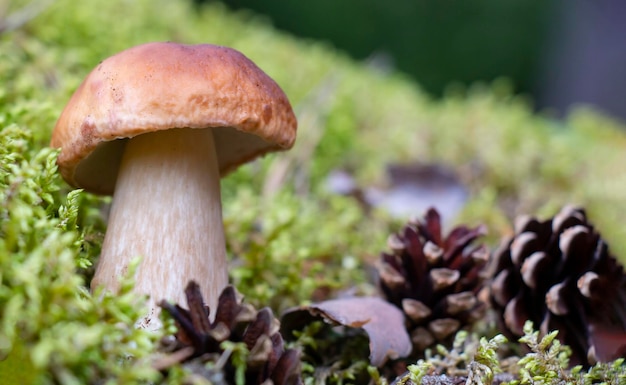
x,y
434,280
558,273
198,340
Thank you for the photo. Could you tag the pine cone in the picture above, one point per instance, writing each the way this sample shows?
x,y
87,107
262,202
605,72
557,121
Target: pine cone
x,y
434,280
559,274
197,338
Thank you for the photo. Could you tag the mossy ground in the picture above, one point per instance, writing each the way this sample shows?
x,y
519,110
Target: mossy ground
x,y
289,241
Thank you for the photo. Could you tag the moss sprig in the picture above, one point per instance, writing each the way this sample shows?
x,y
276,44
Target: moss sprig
x,y
471,358
547,363
52,330
548,360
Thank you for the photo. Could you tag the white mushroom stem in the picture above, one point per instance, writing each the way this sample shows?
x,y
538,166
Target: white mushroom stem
x,y
167,210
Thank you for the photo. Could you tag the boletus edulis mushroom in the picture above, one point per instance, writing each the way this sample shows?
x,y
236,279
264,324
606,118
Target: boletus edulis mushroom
x,y
156,126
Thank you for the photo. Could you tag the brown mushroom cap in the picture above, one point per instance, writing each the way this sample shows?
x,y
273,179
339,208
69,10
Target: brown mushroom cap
x,y
159,86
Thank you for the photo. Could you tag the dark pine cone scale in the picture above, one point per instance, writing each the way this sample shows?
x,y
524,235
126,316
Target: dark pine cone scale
x,y
198,338
434,279
558,273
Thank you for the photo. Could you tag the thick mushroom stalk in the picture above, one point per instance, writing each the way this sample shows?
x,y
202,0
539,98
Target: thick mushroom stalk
x,y
167,211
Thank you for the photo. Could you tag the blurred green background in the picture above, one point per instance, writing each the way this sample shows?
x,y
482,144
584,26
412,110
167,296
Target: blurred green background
x,y
435,41
557,52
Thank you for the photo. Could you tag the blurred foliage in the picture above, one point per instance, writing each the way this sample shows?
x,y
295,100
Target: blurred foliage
x,y
433,41
287,237
291,250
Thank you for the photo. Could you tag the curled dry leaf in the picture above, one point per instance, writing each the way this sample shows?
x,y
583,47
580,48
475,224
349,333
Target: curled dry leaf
x,y
383,323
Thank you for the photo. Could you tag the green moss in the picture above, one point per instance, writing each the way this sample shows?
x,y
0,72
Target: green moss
x,y
287,237
289,250
51,329
546,363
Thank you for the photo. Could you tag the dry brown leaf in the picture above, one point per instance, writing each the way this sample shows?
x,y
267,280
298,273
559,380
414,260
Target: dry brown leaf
x,y
382,321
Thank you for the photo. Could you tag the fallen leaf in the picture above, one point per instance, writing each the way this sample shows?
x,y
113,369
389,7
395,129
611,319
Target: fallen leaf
x,y
382,321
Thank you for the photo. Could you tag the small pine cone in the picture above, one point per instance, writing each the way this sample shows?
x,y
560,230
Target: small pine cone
x,y
559,274
434,280
197,338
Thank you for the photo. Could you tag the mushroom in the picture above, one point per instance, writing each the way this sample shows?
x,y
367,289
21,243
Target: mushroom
x,y
156,126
